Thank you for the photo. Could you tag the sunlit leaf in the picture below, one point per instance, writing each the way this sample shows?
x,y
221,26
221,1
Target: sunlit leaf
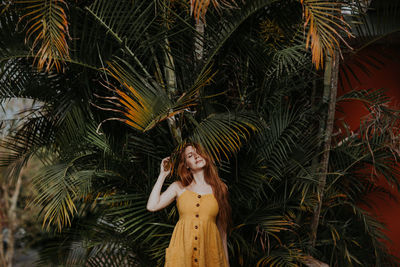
x,y
48,27
326,28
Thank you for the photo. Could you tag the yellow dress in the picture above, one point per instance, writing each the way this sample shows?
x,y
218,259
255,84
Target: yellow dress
x,y
196,240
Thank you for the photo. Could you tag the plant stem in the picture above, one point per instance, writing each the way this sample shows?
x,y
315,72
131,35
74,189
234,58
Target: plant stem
x,y
329,98
171,84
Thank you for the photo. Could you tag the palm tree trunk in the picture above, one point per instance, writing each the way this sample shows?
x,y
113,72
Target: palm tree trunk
x,y
329,98
170,74
198,41
170,77
7,254
4,205
171,84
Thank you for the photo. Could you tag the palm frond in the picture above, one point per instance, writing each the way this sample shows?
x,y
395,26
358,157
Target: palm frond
x,y
286,126
16,73
48,25
60,185
325,27
199,7
380,20
289,256
144,106
221,30
287,60
371,26
32,135
222,134
128,23
248,177
134,221
111,254
368,97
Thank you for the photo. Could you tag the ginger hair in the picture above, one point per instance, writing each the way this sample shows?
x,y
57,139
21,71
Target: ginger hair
x,y
220,189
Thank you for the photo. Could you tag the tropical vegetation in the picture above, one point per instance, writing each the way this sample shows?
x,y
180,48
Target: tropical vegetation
x,y
122,84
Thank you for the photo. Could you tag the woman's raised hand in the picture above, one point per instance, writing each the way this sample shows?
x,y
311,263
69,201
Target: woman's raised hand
x,y
157,201
165,168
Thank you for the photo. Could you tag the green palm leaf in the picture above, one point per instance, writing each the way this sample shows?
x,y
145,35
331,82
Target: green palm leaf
x,y
221,30
141,227
222,134
289,256
60,186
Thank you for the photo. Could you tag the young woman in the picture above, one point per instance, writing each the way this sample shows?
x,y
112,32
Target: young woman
x,y
199,237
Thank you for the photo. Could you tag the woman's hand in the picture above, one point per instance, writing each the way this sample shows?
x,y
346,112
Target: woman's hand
x,y
165,168
157,201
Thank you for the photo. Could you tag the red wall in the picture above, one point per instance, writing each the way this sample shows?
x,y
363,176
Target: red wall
x,y
388,77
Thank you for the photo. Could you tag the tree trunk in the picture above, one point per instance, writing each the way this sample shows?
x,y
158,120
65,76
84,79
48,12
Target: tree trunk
x,y
198,41
171,84
170,77
329,98
10,206
4,208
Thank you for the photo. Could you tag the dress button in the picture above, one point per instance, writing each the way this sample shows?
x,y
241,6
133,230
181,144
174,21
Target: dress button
x,y
195,238
195,260
195,227
197,205
199,196
197,215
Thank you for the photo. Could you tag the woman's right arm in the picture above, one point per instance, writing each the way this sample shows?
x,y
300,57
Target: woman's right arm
x,y
156,201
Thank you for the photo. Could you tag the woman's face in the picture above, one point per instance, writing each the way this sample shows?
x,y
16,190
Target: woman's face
x,y
193,160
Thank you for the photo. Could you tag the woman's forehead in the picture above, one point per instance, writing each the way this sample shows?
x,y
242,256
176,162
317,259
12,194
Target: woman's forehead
x,y
189,149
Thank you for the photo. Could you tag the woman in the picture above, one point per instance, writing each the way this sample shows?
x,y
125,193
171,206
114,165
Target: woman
x,y
199,237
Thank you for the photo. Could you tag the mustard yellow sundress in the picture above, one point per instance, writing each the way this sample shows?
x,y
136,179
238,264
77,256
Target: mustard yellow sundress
x,y
196,240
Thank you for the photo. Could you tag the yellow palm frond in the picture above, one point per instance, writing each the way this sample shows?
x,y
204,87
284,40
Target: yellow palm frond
x,y
142,105
324,21
48,26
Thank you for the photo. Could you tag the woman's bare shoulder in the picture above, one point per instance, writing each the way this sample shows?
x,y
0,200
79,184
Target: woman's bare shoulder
x,y
179,187
178,183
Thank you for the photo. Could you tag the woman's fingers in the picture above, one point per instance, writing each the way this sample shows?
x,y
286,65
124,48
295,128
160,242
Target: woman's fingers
x,y
167,158
165,163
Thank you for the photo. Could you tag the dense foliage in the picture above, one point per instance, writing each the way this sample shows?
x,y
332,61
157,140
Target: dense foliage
x,y
139,78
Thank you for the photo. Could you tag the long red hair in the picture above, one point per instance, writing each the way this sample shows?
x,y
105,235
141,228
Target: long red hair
x,y
220,189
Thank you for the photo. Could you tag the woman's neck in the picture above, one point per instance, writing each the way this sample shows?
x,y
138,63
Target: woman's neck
x,y
199,177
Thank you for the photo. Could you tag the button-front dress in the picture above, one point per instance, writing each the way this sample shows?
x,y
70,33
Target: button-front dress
x,y
196,240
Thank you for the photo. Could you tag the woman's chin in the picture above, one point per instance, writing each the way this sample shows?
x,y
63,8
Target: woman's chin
x,y
201,165
198,167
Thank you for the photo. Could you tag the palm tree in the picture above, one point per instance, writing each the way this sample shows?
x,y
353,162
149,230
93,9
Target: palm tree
x,y
251,99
